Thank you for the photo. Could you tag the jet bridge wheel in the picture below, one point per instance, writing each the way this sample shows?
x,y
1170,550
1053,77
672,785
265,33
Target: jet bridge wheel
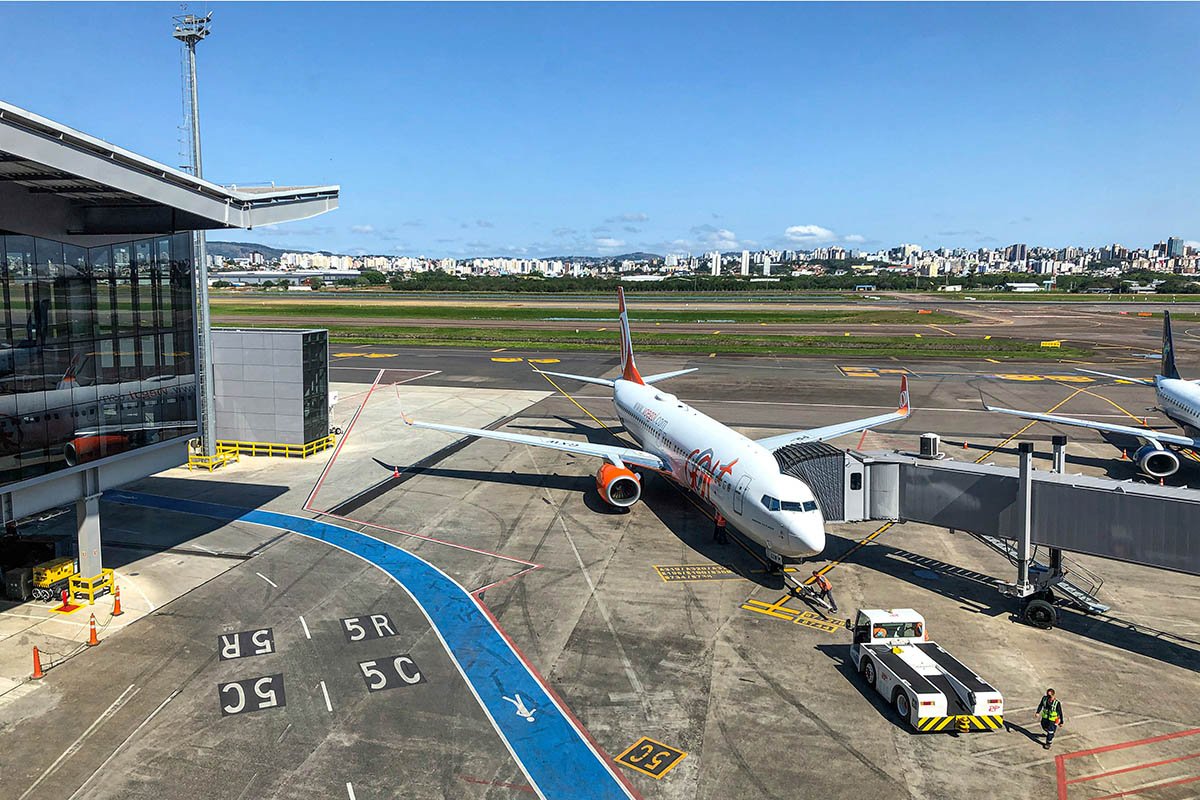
x,y
1040,614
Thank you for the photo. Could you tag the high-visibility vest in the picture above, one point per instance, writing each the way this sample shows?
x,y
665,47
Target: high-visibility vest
x,y
1051,710
823,583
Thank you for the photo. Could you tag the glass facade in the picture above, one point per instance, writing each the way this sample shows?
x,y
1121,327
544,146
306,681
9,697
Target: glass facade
x,y
315,358
96,350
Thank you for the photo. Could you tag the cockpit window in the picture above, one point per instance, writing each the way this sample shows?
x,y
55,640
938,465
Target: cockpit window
x,y
772,504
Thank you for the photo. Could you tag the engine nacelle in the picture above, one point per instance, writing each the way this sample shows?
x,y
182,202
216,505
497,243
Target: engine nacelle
x,y
618,486
88,448
1157,462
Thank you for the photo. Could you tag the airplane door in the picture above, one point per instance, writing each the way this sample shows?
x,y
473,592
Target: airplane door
x,y
739,494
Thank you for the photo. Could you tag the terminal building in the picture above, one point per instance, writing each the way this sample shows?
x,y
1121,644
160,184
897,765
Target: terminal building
x,y
98,329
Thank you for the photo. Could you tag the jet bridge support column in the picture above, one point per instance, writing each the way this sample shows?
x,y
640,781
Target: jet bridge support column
x,y
1060,466
1023,588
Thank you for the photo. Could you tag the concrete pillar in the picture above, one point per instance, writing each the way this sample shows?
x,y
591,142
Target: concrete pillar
x,y
1060,453
1025,520
87,525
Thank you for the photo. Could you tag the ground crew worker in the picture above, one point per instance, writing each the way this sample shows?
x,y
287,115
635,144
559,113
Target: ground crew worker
x,y
719,534
1050,712
825,590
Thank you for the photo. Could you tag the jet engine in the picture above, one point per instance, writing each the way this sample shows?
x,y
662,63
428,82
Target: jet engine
x,y
1157,462
619,486
88,448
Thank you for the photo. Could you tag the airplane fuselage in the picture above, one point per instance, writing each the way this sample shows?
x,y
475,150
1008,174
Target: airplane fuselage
x,y
738,476
1180,401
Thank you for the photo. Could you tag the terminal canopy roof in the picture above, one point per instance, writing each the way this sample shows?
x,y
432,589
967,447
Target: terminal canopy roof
x,y
64,184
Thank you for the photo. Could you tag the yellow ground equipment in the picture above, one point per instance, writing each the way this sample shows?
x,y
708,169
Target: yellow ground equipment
x,y
51,577
90,588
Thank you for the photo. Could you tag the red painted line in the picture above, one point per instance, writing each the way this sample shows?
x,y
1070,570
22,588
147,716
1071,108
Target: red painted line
x,y
861,439
1124,745
617,773
502,581
1061,770
329,465
1123,770
431,539
1150,788
518,786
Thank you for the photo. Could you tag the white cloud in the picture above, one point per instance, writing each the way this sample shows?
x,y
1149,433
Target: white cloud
x,y
716,238
608,243
808,234
854,238
362,228
629,217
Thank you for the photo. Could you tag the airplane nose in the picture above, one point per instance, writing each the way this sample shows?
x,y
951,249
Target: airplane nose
x,y
810,537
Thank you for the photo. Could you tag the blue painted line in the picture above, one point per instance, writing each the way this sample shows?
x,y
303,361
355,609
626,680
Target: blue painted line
x,y
554,754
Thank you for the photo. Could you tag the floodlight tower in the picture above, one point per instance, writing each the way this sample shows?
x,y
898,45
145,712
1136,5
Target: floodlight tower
x,y
190,30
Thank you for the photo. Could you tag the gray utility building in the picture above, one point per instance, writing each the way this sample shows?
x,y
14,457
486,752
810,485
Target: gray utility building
x,y
98,371
271,387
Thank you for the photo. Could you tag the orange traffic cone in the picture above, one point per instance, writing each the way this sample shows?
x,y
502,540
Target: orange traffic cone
x,y
1124,455
116,612
396,472
92,640
37,666
966,446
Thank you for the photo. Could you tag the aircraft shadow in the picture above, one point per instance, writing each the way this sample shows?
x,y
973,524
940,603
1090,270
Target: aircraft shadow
x,y
977,593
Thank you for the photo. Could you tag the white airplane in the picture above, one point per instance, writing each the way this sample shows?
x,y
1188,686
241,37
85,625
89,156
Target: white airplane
x,y
1179,400
740,477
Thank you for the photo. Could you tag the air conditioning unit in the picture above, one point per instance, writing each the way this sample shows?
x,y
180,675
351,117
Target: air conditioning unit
x,y
931,445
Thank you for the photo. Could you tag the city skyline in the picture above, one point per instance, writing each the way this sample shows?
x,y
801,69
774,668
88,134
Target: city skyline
x,y
550,130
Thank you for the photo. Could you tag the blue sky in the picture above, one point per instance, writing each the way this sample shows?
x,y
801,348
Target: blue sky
x,y
469,129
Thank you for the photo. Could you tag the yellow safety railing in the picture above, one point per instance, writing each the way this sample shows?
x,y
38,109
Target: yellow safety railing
x,y
275,449
93,587
223,456
229,451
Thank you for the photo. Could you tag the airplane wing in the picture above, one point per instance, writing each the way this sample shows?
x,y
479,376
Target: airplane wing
x,y
1144,434
616,455
1139,381
841,428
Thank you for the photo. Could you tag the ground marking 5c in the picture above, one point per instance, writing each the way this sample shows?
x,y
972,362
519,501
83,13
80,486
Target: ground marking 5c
x,y
251,694
388,673
651,758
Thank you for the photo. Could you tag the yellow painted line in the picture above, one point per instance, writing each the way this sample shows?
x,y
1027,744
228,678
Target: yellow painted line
x,y
1051,410
943,330
714,333
854,548
712,355
987,337
766,612
507,359
994,361
544,361
601,329
573,400
1140,420
917,335
499,349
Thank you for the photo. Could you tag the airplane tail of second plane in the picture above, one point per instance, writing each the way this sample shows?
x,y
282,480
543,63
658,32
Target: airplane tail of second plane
x,y
1169,370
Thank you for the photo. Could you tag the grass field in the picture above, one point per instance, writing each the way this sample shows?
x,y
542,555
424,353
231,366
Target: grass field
x,y
332,310
682,343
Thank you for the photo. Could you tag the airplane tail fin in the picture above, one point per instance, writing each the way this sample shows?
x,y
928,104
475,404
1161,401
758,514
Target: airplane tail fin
x,y
629,369
1169,370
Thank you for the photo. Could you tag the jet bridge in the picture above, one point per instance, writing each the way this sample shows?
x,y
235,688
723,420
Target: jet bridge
x,y
1015,510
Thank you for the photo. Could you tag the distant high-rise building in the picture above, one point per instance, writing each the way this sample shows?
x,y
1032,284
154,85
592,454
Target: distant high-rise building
x,y
716,262
1174,247
745,262
767,265
1016,253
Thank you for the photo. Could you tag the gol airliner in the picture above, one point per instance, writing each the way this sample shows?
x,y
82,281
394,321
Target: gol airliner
x,y
1178,399
739,476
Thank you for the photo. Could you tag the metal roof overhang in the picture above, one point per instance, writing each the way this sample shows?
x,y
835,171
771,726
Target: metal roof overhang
x,y
55,176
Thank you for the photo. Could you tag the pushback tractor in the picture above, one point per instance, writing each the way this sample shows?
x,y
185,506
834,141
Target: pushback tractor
x,y
930,689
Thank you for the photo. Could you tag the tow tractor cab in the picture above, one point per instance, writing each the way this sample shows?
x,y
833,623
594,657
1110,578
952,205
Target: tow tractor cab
x,y
931,689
